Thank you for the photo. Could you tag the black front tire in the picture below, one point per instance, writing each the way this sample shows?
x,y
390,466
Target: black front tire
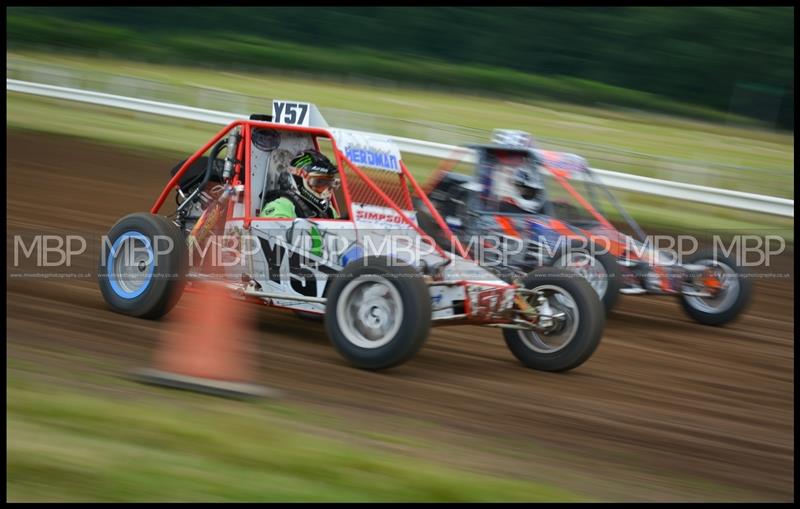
x,y
585,339
414,310
154,251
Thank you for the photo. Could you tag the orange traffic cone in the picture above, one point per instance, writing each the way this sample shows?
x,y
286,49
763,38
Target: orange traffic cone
x,y
207,346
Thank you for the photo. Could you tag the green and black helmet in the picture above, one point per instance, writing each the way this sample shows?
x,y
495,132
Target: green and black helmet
x,y
315,175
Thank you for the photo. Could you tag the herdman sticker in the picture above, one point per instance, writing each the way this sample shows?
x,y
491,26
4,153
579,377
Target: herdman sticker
x,y
372,158
367,150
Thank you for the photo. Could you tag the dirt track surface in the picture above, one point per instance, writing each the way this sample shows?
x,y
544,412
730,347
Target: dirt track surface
x,y
664,407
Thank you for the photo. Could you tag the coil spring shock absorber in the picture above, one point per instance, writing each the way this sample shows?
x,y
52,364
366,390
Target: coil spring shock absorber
x,y
210,217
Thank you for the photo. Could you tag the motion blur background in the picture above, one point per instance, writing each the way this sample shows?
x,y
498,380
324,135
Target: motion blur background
x,y
702,95
705,62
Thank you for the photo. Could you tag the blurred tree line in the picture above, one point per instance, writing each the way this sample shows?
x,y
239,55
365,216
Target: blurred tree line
x,y
737,60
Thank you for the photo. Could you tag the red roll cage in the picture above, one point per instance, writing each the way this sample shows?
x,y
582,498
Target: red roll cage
x,y
342,162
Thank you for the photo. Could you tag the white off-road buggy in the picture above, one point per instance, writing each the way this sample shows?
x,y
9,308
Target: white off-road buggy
x,y
378,281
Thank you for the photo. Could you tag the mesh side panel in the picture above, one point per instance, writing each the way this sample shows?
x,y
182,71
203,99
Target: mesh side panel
x,y
390,183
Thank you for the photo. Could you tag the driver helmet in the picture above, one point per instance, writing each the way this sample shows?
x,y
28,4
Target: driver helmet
x,y
315,177
528,188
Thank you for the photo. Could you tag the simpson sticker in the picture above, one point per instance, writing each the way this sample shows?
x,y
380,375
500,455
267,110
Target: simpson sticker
x,y
381,216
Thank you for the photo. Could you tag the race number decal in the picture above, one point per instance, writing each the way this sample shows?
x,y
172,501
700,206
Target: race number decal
x,y
488,302
510,138
287,265
292,113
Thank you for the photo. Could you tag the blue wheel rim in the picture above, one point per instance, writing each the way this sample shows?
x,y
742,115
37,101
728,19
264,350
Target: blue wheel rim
x,y
130,267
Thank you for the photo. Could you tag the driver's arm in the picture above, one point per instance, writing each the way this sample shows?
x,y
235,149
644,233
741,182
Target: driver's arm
x,y
282,208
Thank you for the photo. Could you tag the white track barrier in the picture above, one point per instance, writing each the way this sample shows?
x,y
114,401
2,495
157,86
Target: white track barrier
x,y
625,181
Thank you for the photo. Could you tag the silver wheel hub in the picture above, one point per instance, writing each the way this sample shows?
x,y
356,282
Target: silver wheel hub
x,y
558,312
725,296
369,311
131,264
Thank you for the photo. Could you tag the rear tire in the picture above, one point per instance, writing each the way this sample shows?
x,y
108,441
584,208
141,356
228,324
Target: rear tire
x,y
378,313
583,330
724,308
606,268
143,266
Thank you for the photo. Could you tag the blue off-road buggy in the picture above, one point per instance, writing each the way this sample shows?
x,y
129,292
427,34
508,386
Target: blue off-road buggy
x,y
567,228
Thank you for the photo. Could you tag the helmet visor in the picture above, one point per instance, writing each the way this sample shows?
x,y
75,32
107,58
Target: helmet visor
x,y
528,193
322,183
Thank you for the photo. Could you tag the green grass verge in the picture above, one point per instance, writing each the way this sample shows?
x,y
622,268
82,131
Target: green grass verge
x,y
113,126
593,132
64,445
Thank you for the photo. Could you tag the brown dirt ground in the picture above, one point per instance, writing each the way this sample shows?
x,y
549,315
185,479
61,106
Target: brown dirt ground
x,y
666,409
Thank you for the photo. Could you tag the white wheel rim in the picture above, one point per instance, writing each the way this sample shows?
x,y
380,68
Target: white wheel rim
x,y
560,301
725,297
589,268
369,311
